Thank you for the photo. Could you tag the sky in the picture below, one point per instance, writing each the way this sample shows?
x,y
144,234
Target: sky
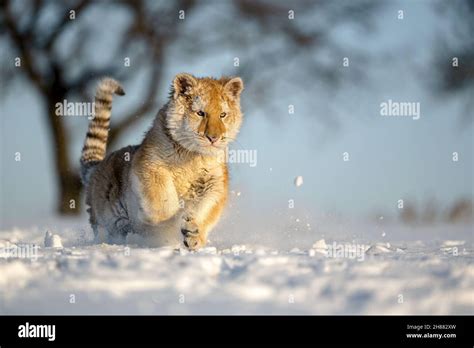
x,y
390,158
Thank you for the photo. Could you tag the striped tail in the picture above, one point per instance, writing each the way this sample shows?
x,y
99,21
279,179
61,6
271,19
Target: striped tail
x,y
95,144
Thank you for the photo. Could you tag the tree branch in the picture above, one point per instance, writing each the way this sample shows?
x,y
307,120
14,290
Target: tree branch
x,y
23,44
158,37
59,28
148,105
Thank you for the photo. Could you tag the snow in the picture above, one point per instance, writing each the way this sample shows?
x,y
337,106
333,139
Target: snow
x,y
52,240
42,272
298,181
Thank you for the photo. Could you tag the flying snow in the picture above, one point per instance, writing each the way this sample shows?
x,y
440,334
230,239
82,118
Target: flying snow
x,y
298,181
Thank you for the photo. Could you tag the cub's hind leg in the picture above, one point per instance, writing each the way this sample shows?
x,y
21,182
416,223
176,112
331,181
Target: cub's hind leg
x,y
118,231
101,234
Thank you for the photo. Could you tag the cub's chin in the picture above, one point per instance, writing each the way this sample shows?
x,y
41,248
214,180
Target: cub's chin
x,y
200,148
212,151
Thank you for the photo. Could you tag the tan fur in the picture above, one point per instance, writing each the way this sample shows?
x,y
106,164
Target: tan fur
x,y
175,184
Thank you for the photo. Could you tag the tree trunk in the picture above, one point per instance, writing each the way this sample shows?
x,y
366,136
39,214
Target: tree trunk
x,y
69,200
68,181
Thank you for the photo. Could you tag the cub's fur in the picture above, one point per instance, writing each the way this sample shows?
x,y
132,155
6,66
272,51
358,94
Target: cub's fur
x,y
174,185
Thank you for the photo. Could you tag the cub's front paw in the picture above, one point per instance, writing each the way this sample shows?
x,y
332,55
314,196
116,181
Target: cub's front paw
x,y
193,242
190,231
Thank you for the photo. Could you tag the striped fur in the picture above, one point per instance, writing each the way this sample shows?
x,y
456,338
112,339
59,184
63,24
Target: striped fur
x,y
95,144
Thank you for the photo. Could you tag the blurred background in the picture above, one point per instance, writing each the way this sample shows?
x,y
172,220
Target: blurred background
x,y
316,73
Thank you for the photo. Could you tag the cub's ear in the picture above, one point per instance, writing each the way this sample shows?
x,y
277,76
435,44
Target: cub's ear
x,y
183,84
234,87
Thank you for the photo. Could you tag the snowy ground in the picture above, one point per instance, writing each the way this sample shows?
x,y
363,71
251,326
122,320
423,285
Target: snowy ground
x,y
375,275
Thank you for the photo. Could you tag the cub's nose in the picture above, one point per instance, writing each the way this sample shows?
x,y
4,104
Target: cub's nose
x,y
212,138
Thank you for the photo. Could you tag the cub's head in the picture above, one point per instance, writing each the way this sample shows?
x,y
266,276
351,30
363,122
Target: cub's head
x,y
204,113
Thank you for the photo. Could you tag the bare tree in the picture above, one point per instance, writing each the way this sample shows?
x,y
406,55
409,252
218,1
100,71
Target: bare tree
x,y
462,210
60,70
454,55
37,47
409,214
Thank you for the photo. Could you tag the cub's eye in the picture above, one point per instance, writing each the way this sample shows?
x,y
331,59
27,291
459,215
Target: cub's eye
x,y
201,113
223,115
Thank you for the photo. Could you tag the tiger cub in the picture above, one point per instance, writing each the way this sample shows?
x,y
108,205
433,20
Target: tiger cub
x,y
171,188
